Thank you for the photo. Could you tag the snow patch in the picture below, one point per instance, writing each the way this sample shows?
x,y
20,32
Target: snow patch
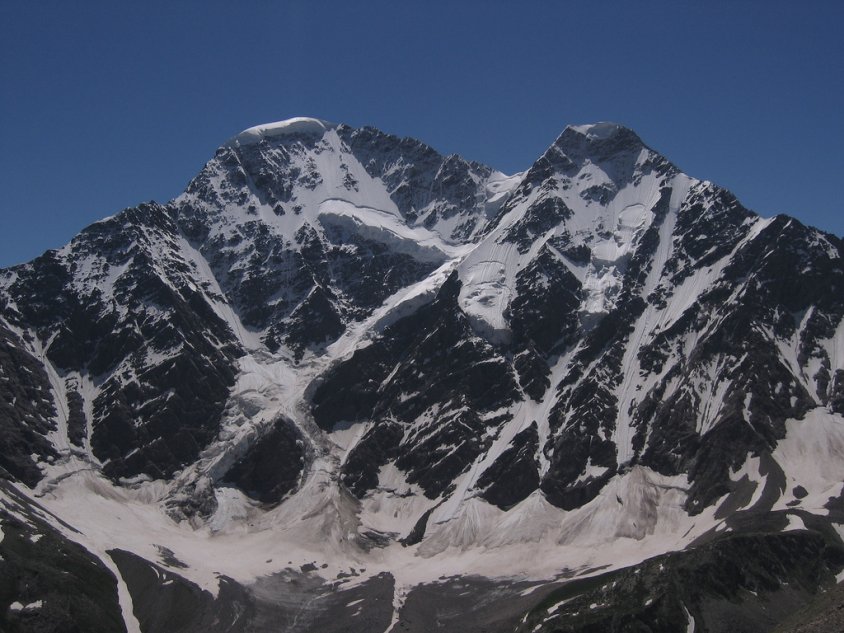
x,y
233,509
296,125
395,505
690,621
598,131
812,456
385,228
794,523
32,606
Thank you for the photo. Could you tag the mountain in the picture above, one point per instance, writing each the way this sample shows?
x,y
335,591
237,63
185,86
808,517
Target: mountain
x,y
344,382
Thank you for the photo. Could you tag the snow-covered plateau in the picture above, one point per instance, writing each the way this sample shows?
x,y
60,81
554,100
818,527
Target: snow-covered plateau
x,y
346,383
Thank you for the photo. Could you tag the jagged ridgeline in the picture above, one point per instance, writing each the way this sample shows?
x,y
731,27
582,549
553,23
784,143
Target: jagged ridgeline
x,y
344,371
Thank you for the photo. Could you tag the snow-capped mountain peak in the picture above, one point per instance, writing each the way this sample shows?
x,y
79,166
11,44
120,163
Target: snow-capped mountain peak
x,y
342,358
598,141
602,130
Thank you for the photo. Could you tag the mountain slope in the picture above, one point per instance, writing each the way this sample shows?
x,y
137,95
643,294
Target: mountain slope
x,y
343,355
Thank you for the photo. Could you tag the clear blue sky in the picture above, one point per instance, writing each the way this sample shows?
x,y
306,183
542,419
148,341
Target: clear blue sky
x,y
107,104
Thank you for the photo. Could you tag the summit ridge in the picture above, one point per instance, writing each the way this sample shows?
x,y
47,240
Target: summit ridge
x,y
295,125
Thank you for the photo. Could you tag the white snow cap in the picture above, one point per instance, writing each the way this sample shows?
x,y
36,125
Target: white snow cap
x,y
296,125
598,131
597,141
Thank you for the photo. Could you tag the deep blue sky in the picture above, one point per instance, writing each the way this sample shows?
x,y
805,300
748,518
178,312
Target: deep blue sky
x,y
107,104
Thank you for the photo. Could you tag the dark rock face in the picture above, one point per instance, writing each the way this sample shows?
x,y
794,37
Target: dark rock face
x,y
764,390
164,601
131,310
544,313
418,178
739,583
584,417
515,473
26,411
305,288
58,584
160,355
271,467
468,604
824,613
742,314
417,533
542,216
176,432
379,445
432,385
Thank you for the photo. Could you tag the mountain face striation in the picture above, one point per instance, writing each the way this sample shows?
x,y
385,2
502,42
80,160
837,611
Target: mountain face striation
x,y
346,383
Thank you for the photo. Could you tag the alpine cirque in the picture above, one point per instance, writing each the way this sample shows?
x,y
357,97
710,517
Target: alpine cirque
x,y
345,383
